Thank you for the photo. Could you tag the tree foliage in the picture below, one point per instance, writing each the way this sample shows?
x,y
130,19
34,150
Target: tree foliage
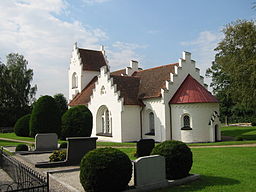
x,y
16,92
45,117
234,70
61,102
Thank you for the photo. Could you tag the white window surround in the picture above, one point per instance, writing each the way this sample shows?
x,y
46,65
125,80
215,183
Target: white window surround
x,y
186,122
74,80
105,123
151,123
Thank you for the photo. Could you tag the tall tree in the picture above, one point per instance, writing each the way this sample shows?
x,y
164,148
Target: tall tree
x,y
16,92
61,102
234,70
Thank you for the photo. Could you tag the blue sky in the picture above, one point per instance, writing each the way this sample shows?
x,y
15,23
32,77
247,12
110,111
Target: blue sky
x,y
154,32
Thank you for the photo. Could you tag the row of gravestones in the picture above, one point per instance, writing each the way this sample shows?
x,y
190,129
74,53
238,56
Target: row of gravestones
x,y
148,170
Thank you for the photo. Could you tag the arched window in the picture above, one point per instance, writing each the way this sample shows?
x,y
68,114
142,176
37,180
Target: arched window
x,y
105,122
74,80
186,123
151,123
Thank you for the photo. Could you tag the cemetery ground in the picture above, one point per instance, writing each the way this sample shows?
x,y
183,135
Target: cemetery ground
x,y
221,169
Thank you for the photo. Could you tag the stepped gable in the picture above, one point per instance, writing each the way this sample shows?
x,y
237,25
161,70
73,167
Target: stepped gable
x,y
191,91
92,60
83,98
129,88
153,80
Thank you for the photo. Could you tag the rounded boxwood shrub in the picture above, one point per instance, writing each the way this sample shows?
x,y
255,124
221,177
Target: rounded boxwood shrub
x,y
77,122
58,155
105,169
21,147
178,158
21,127
45,117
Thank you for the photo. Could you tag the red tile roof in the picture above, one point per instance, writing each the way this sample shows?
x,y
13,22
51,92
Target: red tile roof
x,y
83,98
153,80
191,91
119,72
92,60
129,88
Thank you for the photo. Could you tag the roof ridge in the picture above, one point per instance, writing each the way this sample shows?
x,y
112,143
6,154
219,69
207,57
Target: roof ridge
x,y
125,76
88,49
157,67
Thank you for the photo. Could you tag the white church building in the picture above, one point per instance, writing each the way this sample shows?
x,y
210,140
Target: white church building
x,y
168,102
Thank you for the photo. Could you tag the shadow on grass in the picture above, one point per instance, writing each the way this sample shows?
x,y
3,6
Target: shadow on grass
x,y
240,132
201,183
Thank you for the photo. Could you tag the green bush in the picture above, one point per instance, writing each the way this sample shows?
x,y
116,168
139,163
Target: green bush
x,y
21,127
45,117
63,145
21,147
77,122
253,123
105,169
58,155
178,158
144,147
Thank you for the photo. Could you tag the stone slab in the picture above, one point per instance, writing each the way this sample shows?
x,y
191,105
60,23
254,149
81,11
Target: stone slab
x,y
46,141
149,170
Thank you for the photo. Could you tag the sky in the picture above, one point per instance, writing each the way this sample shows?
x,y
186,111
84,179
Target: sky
x,y
153,32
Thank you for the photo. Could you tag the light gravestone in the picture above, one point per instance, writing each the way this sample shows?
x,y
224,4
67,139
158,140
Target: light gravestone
x,y
150,171
46,142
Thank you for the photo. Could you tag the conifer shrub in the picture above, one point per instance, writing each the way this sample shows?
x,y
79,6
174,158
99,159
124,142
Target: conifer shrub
x,y
45,117
105,169
21,127
178,158
144,147
21,147
58,155
76,122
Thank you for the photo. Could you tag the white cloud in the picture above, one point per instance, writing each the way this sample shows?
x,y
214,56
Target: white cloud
x,y
32,29
90,2
120,54
202,49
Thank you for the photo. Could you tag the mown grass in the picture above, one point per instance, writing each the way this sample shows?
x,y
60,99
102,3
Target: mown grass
x,y
14,136
8,143
222,169
248,133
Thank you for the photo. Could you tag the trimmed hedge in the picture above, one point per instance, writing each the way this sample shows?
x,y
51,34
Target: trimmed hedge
x,y
105,169
77,122
178,158
144,147
21,147
45,117
21,127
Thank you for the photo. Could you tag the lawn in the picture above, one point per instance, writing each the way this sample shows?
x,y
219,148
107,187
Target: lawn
x,y
248,133
222,169
8,143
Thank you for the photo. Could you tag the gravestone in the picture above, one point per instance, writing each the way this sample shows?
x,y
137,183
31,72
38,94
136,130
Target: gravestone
x,y
46,142
150,170
144,147
78,147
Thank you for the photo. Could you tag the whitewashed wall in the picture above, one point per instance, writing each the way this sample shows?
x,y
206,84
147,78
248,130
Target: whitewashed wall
x,y
157,107
111,100
84,77
200,115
